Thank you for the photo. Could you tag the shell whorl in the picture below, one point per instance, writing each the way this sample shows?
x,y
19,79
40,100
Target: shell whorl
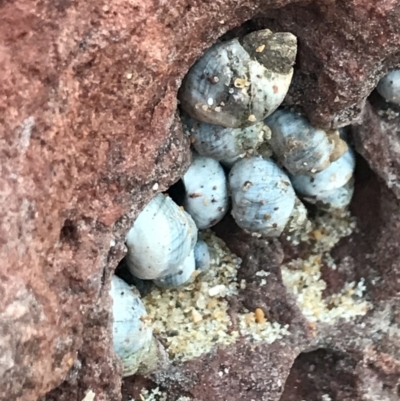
x,y
161,238
262,196
132,335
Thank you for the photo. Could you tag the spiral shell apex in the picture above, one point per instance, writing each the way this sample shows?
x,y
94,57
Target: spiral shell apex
x,y
132,335
238,83
160,240
262,196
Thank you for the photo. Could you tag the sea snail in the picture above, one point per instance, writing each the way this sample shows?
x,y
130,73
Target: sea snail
x,y
321,184
162,237
241,81
389,87
226,145
263,198
206,193
299,147
132,333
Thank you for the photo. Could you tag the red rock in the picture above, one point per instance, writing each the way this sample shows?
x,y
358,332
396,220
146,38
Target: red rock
x,y
88,126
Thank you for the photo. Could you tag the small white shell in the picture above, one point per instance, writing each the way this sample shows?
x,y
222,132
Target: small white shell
x,y
206,197
262,196
389,87
202,256
238,83
300,147
225,144
132,335
160,240
181,277
321,184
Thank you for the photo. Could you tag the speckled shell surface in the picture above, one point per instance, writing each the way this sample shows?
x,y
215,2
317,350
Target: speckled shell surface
x,y
181,277
206,196
335,176
224,144
297,145
160,240
389,87
132,336
228,87
262,196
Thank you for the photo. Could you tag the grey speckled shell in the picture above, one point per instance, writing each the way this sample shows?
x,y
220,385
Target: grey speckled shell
x,y
224,144
132,335
297,145
181,277
262,196
229,87
206,196
321,184
389,87
160,240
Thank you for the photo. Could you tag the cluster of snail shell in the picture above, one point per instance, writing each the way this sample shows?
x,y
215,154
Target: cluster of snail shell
x,y
230,107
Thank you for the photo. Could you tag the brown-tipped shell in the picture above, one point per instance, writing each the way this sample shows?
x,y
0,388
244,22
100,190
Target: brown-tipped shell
x,y
231,87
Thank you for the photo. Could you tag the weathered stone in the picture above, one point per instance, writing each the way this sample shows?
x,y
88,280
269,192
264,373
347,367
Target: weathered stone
x,y
345,47
88,128
377,139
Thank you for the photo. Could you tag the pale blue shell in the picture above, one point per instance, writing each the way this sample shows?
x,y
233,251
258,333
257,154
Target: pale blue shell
x,y
160,240
181,277
206,192
262,196
132,335
321,184
202,256
339,198
389,87
296,144
221,143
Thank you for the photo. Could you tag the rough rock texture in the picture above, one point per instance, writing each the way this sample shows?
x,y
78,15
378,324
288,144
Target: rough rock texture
x,y
346,46
88,133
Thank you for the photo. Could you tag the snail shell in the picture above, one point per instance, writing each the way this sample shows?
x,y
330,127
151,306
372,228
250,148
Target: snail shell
x,y
132,335
262,196
338,199
323,183
202,256
206,197
160,240
225,144
389,87
240,82
300,147
179,278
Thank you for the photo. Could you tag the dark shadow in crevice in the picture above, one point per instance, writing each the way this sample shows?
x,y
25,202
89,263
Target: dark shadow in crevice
x,y
321,375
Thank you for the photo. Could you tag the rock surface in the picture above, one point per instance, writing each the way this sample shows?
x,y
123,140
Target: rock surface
x,y
89,133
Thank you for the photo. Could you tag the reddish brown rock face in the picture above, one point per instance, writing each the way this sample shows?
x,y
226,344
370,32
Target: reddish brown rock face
x,y
88,126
